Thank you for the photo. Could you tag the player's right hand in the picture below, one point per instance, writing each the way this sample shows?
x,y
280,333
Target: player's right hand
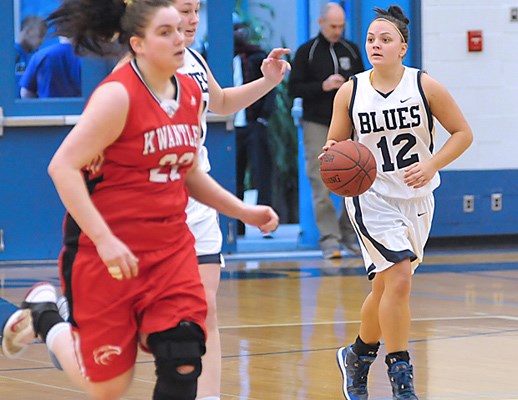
x,y
118,258
326,147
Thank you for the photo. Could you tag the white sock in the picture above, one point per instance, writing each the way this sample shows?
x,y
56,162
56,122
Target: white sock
x,y
54,333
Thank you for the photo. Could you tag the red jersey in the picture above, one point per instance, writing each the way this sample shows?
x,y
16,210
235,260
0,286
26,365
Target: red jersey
x,y
140,189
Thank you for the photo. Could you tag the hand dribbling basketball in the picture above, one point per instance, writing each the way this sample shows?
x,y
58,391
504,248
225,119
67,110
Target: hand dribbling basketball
x,y
347,168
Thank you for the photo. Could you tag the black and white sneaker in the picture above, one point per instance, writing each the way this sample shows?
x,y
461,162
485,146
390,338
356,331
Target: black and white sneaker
x,y
19,330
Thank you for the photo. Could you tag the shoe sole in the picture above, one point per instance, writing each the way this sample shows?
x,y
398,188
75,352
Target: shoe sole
x,y
354,252
17,334
340,359
334,256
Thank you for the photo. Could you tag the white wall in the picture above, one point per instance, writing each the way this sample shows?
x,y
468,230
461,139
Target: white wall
x,y
484,84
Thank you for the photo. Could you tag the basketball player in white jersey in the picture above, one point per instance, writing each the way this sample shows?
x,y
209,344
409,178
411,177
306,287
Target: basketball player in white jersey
x,y
391,109
203,220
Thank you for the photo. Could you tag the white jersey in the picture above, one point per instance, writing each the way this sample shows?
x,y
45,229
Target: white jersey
x,y
398,128
201,219
194,67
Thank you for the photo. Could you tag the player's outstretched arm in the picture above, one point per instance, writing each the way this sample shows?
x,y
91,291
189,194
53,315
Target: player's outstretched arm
x,y
232,99
207,191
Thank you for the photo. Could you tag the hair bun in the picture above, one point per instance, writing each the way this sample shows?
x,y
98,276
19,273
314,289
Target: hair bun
x,y
398,13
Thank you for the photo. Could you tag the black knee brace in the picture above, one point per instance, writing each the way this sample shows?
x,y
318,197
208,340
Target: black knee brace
x,y
183,345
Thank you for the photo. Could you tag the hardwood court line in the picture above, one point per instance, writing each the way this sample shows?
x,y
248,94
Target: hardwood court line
x,y
489,274
463,298
144,380
293,324
227,395
81,392
44,364
489,396
234,396
40,384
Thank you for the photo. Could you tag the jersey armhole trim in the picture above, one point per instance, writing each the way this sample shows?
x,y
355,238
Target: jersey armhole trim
x,y
197,58
351,103
427,109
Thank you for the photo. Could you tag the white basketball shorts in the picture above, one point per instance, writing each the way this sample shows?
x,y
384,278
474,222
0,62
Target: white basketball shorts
x,y
203,222
390,230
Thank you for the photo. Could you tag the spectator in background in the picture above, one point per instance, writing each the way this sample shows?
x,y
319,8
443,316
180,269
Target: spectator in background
x,y
32,35
252,144
320,67
54,71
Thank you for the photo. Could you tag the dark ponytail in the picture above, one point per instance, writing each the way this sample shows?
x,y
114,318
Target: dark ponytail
x,y
95,25
395,15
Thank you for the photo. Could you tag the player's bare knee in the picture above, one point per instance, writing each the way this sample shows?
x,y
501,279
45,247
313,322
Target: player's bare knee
x,y
178,353
185,369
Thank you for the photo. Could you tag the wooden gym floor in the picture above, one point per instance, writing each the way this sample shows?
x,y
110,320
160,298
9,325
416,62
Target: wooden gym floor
x,y
282,320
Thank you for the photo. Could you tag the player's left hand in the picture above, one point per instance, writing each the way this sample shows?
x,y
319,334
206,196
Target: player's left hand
x,y
264,217
274,67
419,174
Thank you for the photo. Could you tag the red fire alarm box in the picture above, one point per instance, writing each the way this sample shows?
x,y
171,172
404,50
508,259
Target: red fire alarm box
x,y
474,40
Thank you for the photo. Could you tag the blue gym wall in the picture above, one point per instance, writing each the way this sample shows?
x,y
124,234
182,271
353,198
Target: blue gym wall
x,y
31,213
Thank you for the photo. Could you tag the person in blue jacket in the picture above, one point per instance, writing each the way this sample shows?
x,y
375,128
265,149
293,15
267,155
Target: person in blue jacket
x,y
32,34
53,71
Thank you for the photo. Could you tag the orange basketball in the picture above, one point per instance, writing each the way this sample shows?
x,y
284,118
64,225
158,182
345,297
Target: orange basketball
x,y
348,168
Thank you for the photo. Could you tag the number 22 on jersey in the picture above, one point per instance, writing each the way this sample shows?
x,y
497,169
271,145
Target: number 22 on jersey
x,y
168,167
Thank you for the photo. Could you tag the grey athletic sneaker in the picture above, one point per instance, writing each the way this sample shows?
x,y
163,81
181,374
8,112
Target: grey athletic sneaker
x,y
354,371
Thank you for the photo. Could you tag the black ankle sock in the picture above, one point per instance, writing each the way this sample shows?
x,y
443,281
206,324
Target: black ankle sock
x,y
45,323
397,356
361,348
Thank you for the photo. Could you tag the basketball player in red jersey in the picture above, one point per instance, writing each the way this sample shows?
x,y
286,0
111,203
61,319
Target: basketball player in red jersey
x,y
128,268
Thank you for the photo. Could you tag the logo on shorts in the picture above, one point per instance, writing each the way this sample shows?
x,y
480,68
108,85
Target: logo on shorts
x,y
104,355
